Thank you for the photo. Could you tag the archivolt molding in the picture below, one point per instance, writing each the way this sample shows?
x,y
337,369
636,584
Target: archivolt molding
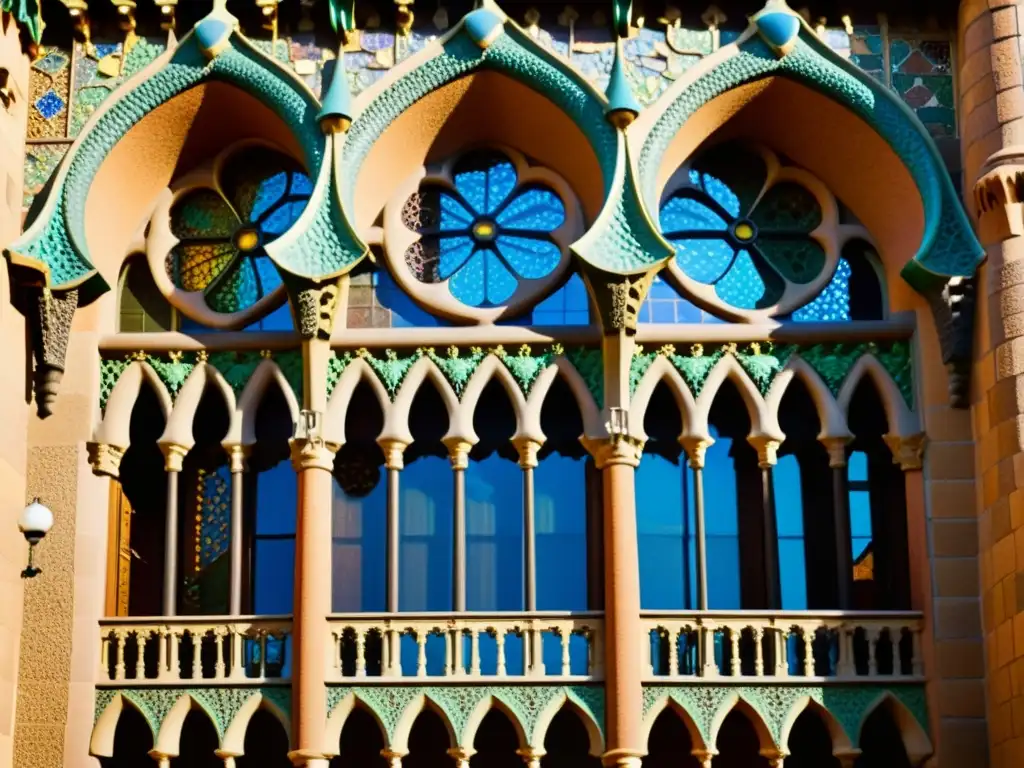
x,y
242,430
180,424
773,710
531,710
948,247
763,374
115,427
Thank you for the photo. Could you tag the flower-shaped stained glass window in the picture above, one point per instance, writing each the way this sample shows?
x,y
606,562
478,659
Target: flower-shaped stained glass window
x,y
489,227
747,231
223,227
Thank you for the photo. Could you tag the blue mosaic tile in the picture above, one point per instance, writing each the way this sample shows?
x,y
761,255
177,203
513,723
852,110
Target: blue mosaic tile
x,y
105,49
51,63
50,104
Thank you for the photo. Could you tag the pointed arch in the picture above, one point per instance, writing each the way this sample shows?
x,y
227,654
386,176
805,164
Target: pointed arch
x,y
695,424
668,702
556,705
168,739
915,739
400,741
234,736
833,420
492,369
101,743
593,425
179,425
902,421
115,428
338,716
841,743
737,702
242,430
762,424
396,421
480,711
357,372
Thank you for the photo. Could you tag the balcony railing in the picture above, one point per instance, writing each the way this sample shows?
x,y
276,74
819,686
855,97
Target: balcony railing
x,y
453,647
199,650
819,646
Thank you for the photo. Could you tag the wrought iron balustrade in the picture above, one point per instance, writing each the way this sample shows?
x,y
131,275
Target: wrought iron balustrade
x,y
198,650
820,645
456,647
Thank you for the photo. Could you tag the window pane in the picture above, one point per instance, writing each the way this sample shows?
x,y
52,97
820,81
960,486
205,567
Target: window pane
x,y
860,514
722,524
425,526
793,573
358,565
660,529
789,513
560,509
857,467
276,500
494,535
274,580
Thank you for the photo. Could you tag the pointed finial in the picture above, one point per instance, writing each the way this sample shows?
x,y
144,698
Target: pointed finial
x,y
622,104
336,114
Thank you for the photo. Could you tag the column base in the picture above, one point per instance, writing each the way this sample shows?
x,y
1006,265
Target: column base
x,y
304,758
622,758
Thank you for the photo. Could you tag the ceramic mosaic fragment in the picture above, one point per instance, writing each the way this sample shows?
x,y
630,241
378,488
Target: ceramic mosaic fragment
x,y
41,160
866,51
922,76
93,82
49,92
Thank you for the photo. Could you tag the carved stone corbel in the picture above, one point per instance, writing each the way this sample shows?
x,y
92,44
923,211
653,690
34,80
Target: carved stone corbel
x,y
105,459
618,297
49,316
952,305
998,197
314,306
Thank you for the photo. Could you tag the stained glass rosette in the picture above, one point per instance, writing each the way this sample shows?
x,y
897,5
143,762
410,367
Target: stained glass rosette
x,y
208,237
484,236
754,238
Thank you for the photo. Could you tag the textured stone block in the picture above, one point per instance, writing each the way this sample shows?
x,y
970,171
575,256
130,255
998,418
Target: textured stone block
x,y
954,498
960,538
959,658
958,577
957,618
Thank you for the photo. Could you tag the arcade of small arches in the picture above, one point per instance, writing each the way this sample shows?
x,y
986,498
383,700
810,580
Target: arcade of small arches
x,y
425,727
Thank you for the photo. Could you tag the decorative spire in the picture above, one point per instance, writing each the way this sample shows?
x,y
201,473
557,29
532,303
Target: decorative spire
x,y
336,114
622,104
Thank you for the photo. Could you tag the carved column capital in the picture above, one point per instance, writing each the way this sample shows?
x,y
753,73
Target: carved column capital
x,y
174,456
394,452
531,756
105,459
527,448
622,758
836,447
458,451
238,456
704,756
393,757
617,449
767,448
998,196
696,448
848,759
163,760
312,454
462,756
907,451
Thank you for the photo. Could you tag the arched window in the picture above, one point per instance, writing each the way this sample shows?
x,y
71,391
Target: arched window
x,y
142,308
756,237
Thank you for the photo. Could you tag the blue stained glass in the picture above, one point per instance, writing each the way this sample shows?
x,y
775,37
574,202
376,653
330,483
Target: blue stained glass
x,y
270,278
833,303
531,259
467,284
270,191
742,285
453,253
857,466
105,49
536,209
453,215
686,213
704,260
472,185
278,222
500,282
717,189
501,180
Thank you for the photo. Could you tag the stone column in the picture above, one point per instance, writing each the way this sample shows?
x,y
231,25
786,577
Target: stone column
x,y
238,455
394,462
314,462
617,459
767,456
528,462
836,447
174,455
458,453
